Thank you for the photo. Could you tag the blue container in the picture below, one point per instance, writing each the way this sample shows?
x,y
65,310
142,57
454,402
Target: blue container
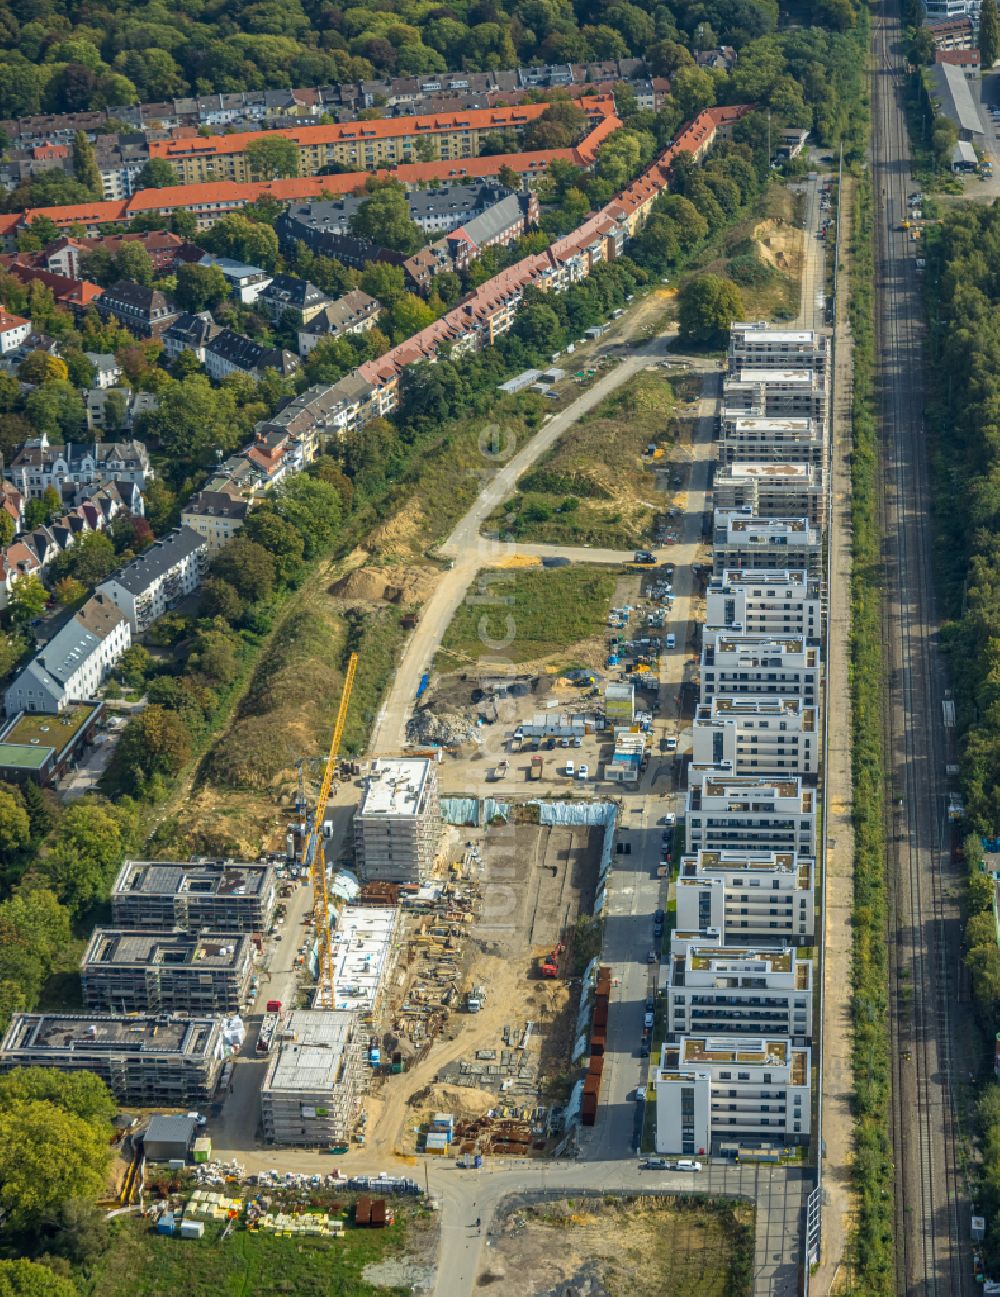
x,y
479,1160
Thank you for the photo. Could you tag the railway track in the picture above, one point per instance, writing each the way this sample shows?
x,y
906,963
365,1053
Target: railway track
x,y
930,1211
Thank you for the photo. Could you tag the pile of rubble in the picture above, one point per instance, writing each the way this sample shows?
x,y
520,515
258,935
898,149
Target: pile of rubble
x,y
450,730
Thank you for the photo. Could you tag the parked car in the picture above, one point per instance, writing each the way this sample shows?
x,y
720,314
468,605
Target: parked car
x,y
647,1022
656,1164
583,772
685,1165
650,1002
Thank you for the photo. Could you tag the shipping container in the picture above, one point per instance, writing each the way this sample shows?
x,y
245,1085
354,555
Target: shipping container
x,y
192,1229
596,1064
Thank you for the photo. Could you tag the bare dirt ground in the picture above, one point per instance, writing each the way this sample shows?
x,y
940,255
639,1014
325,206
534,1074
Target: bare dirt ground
x,y
536,881
656,1247
780,246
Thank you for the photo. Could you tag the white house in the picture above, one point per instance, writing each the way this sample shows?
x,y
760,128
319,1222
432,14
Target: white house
x,y
39,465
74,663
14,330
159,578
750,896
732,1089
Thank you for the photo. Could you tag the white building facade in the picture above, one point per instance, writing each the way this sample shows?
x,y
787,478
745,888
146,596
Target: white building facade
x,y
749,896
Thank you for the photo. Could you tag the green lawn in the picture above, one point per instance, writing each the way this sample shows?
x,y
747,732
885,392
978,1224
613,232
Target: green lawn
x,y
525,614
140,1263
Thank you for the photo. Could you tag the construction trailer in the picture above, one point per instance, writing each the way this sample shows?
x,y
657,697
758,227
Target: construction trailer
x,y
170,972
315,1079
150,1061
214,895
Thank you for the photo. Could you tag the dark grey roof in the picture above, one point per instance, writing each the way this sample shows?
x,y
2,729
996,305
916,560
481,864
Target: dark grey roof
x,y
156,561
193,330
290,291
216,504
164,1129
495,220
248,355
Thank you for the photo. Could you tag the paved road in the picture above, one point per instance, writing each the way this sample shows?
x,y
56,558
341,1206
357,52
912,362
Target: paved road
x,y
470,551
931,1211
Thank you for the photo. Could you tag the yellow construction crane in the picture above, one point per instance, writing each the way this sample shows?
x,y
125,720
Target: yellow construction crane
x,y
313,856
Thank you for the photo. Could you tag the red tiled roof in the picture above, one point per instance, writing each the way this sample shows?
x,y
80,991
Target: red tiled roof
x,y
363,132
9,321
963,58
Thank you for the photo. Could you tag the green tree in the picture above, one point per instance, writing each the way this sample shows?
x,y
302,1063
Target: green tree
x,y
68,590
23,1278
27,599
39,367
193,421
200,288
85,852
247,567
383,282
47,1156
156,174
15,826
707,307
989,34
559,126
693,90
280,538
135,665
245,240
116,410
83,1093
156,742
214,655
57,410
132,261
313,508
220,599
7,528
34,929
384,218
91,559
408,315
272,158
85,164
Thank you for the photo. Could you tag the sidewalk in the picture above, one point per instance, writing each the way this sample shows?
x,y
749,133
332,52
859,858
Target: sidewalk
x,y
836,1080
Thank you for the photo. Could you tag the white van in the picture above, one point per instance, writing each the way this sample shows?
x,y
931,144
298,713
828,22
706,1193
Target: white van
x,y
685,1165
671,641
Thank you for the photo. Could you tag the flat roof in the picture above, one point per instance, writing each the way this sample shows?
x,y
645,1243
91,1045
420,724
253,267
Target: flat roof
x,y
752,375
196,877
394,786
116,947
107,1033
804,471
361,946
740,959
33,729
733,1049
764,331
767,423
310,1057
19,756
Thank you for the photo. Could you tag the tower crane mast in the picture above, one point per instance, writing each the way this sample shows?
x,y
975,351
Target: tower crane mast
x,y
313,856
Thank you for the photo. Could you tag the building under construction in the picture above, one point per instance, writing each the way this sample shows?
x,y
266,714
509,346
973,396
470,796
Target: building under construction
x,y
149,1061
315,1080
195,895
173,972
397,827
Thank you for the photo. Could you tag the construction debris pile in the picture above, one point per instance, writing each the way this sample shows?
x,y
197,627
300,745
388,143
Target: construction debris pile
x,y
427,728
509,1132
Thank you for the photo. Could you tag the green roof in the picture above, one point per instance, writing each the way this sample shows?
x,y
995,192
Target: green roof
x,y
44,729
24,756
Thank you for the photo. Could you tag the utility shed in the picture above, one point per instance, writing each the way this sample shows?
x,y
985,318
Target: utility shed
x,y
169,1138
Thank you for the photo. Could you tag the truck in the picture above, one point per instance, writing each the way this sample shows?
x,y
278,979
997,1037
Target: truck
x,y
500,770
274,1006
475,999
548,966
265,1037
535,771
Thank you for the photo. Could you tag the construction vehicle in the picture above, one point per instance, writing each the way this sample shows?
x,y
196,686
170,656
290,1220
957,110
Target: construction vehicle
x,y
548,965
314,857
475,999
500,770
536,767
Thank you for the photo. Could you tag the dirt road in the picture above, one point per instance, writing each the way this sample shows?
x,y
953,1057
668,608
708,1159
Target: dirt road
x,y
470,551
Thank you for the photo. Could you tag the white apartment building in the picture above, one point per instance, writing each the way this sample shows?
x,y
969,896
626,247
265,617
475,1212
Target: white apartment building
x,y
726,811
397,826
776,394
776,603
770,439
14,331
751,896
159,578
772,490
738,990
758,345
755,735
75,662
711,1090
734,665
742,541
